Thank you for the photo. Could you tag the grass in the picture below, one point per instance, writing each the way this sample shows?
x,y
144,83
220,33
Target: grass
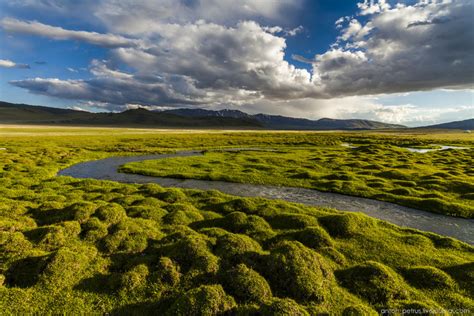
x,y
87,246
439,181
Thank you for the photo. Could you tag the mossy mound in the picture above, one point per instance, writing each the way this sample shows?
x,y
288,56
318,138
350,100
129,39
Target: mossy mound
x,y
111,213
93,230
84,246
292,221
428,277
347,225
130,235
82,211
166,272
314,237
134,281
234,245
153,213
182,217
25,272
283,307
241,223
374,282
246,285
205,300
296,271
65,267
359,310
191,253
171,196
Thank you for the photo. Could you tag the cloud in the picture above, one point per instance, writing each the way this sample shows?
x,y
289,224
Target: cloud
x,y
409,114
212,53
58,33
244,57
190,64
78,108
302,59
295,31
394,52
141,16
105,90
372,6
5,63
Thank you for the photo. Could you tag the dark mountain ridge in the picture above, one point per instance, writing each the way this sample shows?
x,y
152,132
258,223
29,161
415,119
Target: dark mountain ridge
x,y
279,122
465,124
11,113
27,114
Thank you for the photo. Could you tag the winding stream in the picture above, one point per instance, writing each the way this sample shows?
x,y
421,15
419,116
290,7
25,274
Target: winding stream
x,y
107,169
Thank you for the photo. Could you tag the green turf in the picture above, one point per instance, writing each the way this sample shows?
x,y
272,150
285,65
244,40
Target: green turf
x,y
93,247
438,181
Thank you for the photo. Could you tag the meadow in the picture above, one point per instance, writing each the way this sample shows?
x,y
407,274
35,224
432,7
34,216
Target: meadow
x,y
436,181
83,246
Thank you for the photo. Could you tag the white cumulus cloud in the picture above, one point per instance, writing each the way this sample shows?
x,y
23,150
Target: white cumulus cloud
x,y
6,63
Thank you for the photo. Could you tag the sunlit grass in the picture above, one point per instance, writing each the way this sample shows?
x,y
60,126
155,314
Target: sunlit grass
x,y
86,246
439,181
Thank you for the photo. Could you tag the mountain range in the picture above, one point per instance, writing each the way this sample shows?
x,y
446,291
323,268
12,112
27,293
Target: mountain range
x,y
288,123
11,113
465,125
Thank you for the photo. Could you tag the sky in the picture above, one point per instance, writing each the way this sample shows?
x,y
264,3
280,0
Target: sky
x,y
408,62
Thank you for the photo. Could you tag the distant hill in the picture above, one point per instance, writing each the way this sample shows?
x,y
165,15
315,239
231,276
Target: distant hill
x,y
177,118
466,125
279,122
28,114
208,113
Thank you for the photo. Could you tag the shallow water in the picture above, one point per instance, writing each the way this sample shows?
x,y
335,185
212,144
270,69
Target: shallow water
x,y
425,150
348,145
416,150
106,169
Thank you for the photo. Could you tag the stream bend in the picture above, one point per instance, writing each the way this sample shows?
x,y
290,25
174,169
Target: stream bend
x,y
107,169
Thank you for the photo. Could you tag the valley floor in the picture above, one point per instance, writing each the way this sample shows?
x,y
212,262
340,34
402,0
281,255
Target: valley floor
x,y
93,246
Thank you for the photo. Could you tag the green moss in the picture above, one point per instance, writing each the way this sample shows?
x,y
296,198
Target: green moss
x,y
134,280
166,272
235,245
205,300
359,310
292,221
71,229
246,285
66,267
182,214
313,237
348,224
14,243
192,252
172,196
404,178
152,213
254,226
283,307
374,282
61,255
129,236
82,211
428,277
25,272
298,272
111,213
93,230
